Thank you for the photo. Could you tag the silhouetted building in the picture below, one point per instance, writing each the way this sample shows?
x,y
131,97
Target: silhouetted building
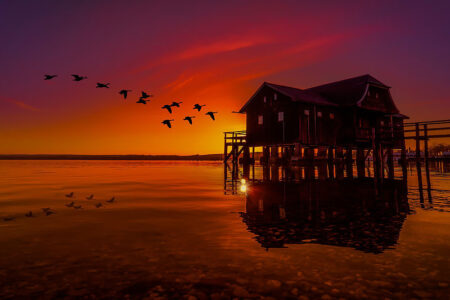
x,y
341,113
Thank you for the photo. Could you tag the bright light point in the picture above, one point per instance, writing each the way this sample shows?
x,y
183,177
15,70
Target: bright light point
x,y
243,188
243,181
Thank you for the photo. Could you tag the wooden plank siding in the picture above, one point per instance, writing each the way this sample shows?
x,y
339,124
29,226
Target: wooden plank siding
x,y
312,117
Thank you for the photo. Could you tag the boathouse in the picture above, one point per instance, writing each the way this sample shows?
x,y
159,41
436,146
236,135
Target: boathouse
x,y
352,114
341,113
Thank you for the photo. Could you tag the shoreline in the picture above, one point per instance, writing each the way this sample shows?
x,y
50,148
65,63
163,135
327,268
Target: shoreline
x,y
205,157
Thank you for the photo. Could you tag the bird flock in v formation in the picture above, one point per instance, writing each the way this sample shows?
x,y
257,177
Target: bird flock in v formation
x,y
48,211
143,99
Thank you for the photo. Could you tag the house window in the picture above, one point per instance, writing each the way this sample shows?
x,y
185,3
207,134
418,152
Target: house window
x,y
306,112
331,116
319,114
280,116
265,99
275,96
260,120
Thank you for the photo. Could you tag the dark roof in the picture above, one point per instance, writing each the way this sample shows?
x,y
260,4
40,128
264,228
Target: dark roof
x,y
348,91
300,95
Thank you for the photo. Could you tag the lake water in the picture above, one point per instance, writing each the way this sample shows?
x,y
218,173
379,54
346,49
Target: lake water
x,y
174,232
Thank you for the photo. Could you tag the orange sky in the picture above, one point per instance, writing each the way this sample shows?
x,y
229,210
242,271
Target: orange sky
x,y
213,54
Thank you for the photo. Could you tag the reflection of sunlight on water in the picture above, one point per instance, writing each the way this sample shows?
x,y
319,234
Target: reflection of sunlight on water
x,y
243,187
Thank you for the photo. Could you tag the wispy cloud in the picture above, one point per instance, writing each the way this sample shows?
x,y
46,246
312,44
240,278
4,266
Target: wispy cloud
x,y
199,51
20,104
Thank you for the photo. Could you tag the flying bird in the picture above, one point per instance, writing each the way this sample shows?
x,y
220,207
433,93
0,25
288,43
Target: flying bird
x,y
124,93
102,85
189,119
167,122
111,200
211,114
142,101
198,107
78,77
177,104
90,197
145,95
29,214
77,206
8,218
98,205
48,77
49,212
70,204
168,107
46,209
69,195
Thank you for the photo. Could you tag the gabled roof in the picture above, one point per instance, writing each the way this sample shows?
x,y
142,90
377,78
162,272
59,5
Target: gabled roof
x,y
348,91
296,95
299,95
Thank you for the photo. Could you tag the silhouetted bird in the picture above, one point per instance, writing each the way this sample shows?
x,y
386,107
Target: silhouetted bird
x,y
90,197
189,119
142,101
145,95
177,104
102,85
78,77
77,206
48,77
211,114
167,122
124,93
198,106
10,218
98,205
49,212
46,209
69,195
29,214
70,204
111,200
168,107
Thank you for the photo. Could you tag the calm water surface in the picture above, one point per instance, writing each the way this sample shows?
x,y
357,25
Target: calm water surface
x,y
173,233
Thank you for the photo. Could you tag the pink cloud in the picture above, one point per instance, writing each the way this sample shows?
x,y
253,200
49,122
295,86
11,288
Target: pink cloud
x,y
20,104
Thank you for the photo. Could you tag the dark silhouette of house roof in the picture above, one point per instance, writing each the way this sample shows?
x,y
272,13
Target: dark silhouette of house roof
x,y
300,95
347,92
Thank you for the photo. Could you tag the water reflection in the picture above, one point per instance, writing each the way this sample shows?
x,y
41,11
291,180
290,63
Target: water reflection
x,y
283,209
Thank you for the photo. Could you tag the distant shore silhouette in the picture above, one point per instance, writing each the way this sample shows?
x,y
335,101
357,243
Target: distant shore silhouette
x,y
212,157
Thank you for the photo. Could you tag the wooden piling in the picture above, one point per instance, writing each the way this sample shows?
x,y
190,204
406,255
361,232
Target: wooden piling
x,y
360,162
427,167
390,162
419,171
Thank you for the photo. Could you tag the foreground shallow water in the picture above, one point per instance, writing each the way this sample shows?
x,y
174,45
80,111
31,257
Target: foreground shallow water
x,y
172,232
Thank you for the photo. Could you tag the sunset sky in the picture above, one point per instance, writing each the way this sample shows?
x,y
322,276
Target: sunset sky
x,y
207,52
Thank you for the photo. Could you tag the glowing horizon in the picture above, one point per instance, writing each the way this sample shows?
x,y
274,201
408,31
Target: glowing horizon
x,y
209,53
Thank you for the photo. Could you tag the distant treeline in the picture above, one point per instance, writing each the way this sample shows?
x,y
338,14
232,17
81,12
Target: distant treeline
x,y
109,157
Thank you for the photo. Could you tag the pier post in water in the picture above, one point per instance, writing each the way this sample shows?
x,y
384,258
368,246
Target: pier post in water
x,y
360,162
349,162
427,166
419,171
390,162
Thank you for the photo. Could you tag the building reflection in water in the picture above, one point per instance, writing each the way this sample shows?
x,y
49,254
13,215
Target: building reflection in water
x,y
282,210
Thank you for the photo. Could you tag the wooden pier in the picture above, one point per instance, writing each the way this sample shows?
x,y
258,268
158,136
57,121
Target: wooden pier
x,y
337,161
